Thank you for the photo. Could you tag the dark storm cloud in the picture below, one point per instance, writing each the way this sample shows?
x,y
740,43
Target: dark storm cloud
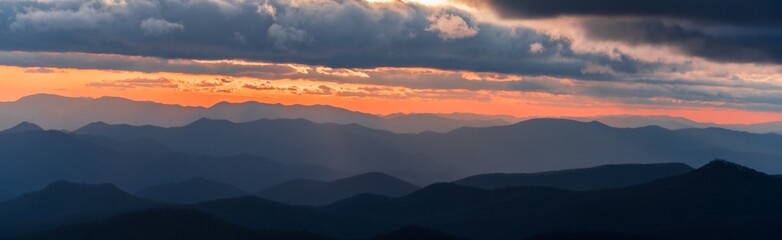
x,y
719,43
719,30
345,33
756,12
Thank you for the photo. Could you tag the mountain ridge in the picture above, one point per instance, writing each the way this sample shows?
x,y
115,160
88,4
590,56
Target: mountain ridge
x,y
312,192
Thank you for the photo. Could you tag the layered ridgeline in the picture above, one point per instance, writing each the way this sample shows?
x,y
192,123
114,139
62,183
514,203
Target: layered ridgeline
x,y
600,177
314,192
191,191
529,146
135,157
32,159
57,112
720,200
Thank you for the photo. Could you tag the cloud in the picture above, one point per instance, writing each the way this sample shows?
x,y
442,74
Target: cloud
x,y
718,43
135,83
336,34
284,36
450,26
764,12
158,27
40,70
536,47
320,90
717,30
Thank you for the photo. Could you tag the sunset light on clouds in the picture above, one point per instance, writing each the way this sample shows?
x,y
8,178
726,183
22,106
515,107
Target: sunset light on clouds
x,y
383,57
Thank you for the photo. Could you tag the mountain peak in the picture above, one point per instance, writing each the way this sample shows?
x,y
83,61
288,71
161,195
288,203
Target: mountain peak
x,y
312,192
23,127
40,96
369,176
724,166
557,122
207,122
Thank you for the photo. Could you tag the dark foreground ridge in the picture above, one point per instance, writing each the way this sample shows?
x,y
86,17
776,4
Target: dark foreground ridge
x,y
718,201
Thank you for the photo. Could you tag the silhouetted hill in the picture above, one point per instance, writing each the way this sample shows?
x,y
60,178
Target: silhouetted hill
x,y
63,202
529,146
589,236
262,214
416,233
190,191
23,127
164,224
601,177
31,160
311,192
720,200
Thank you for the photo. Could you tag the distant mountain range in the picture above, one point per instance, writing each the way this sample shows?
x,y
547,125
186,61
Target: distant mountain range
x,y
720,201
190,191
314,192
69,113
595,178
529,146
675,123
136,157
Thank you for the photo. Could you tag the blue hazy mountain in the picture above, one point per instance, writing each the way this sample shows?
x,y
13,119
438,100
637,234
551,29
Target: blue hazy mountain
x,y
62,202
314,192
31,160
190,191
600,177
58,112
345,147
529,146
23,127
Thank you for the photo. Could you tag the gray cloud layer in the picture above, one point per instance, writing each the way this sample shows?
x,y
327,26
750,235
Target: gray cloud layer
x,y
343,33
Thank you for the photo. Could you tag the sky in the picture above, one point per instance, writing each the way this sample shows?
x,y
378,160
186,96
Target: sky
x,y
713,61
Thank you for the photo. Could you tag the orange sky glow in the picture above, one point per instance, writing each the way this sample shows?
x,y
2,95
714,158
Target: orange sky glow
x,y
205,90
